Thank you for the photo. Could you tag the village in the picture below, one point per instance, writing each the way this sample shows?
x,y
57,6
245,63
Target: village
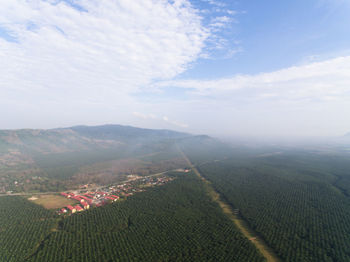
x,y
85,198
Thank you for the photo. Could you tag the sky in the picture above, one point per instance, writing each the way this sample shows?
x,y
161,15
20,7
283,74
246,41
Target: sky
x,y
223,68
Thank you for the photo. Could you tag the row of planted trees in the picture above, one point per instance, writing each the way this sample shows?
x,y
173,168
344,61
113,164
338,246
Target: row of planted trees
x,y
302,217
175,222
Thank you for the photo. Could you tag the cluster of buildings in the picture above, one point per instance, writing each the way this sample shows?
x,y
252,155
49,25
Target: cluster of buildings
x,y
156,181
105,195
86,200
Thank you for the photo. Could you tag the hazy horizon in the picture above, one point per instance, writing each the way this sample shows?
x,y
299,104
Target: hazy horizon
x,y
216,67
237,140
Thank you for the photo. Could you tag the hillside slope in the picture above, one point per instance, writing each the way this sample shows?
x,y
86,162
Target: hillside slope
x,y
70,153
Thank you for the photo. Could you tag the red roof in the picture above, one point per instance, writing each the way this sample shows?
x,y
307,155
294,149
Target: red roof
x,y
76,198
70,208
117,197
85,204
63,210
64,194
86,198
78,208
88,195
111,198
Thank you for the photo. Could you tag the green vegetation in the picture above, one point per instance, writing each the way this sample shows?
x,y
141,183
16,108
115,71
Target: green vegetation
x,y
23,225
297,201
174,222
294,200
60,158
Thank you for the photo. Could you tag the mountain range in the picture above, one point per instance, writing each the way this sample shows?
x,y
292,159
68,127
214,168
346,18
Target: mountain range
x,y
79,138
64,157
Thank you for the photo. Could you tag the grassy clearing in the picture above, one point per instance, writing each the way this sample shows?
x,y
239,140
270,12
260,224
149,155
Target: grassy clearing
x,y
53,201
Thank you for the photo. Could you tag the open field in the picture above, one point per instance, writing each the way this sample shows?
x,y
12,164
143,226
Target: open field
x,y
53,201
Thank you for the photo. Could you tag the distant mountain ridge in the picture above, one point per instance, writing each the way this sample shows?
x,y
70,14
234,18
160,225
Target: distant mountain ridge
x,y
115,132
80,136
56,159
20,146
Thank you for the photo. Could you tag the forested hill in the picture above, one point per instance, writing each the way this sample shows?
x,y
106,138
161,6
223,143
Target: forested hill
x,y
54,159
119,132
79,138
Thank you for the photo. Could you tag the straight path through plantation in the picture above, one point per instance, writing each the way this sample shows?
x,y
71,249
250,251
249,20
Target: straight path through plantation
x,y
259,243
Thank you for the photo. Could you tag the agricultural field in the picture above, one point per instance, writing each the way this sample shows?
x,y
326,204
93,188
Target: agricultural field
x,y
22,228
294,203
174,222
293,200
52,201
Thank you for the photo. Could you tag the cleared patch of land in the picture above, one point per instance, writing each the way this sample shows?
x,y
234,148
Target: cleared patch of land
x,y
53,201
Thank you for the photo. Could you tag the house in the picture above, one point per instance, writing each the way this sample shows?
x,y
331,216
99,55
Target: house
x,y
114,196
111,198
76,198
63,210
88,195
86,199
64,194
86,205
70,195
72,209
78,208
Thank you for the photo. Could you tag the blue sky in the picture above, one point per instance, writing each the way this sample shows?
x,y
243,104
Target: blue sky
x,y
226,68
278,34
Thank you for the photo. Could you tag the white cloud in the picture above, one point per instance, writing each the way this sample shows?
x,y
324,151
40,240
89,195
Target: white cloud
x,y
216,3
175,123
144,116
220,22
106,52
165,119
315,81
70,67
310,99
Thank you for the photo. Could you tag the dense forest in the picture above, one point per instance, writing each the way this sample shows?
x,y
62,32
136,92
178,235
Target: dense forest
x,y
296,201
174,222
23,225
